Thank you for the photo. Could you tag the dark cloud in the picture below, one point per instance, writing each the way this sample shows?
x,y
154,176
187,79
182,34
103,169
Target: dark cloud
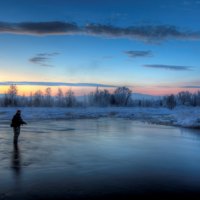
x,y
135,54
169,67
148,33
38,59
43,59
56,84
39,28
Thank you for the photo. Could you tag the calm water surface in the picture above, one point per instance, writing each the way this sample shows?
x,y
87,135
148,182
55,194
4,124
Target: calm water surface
x,y
98,158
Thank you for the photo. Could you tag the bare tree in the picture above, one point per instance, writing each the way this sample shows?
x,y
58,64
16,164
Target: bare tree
x,y
60,97
48,98
100,98
184,98
171,101
122,96
198,98
10,98
30,99
70,99
23,100
38,98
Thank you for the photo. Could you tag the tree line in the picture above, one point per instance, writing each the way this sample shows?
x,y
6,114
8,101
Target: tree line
x,y
183,98
122,96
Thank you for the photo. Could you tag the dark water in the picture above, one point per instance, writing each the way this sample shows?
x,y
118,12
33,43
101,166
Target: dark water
x,y
99,159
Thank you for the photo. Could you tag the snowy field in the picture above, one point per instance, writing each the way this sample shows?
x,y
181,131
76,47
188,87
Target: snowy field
x,y
181,116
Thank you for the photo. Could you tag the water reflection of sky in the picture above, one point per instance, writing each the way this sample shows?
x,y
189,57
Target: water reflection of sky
x,y
90,155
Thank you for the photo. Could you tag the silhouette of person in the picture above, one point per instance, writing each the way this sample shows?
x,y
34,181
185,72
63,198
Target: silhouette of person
x,y
17,121
16,159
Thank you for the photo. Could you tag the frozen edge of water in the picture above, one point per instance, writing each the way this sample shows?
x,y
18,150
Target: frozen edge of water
x,y
181,116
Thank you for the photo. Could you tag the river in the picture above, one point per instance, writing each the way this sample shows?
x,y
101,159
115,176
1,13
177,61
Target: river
x,y
98,159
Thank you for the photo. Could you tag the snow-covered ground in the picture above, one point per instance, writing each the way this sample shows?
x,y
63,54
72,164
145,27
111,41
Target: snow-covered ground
x,y
180,116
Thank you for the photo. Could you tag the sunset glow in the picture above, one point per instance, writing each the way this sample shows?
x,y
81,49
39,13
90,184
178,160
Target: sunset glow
x,y
95,42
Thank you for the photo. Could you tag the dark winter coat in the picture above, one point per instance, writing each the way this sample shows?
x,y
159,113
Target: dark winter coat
x,y
17,121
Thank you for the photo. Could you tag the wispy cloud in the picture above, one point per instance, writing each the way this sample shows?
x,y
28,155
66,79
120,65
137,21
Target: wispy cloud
x,y
169,67
147,33
180,84
135,54
190,82
56,84
43,59
191,86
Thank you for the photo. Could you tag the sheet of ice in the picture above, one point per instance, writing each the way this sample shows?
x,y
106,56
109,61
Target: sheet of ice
x,y
180,116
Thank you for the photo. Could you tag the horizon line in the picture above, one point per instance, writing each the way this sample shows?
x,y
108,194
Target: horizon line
x,y
35,83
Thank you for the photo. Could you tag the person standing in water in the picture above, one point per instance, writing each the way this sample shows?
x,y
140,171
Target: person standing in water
x,y
17,121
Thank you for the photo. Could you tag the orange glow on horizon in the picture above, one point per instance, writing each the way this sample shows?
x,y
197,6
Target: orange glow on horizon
x,y
27,90
162,91
80,91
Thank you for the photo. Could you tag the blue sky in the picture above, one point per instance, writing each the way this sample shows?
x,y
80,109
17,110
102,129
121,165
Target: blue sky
x,y
151,46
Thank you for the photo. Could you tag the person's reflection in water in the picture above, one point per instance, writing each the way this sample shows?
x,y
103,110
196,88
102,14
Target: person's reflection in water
x,y
16,160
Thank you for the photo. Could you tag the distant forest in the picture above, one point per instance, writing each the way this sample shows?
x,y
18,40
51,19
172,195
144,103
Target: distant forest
x,y
122,96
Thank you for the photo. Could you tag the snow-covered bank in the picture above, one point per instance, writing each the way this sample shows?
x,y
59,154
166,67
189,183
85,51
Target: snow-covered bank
x,y
180,116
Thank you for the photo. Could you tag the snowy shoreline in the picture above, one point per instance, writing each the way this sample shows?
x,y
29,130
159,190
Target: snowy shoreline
x,y
181,116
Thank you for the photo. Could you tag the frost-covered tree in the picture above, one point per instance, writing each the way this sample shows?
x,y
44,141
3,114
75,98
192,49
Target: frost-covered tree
x,y
30,100
100,98
48,101
184,98
23,100
198,98
38,98
11,98
171,101
59,98
122,95
70,99
104,98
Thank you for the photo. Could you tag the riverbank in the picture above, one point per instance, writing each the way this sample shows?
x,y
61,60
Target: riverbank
x,y
180,116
